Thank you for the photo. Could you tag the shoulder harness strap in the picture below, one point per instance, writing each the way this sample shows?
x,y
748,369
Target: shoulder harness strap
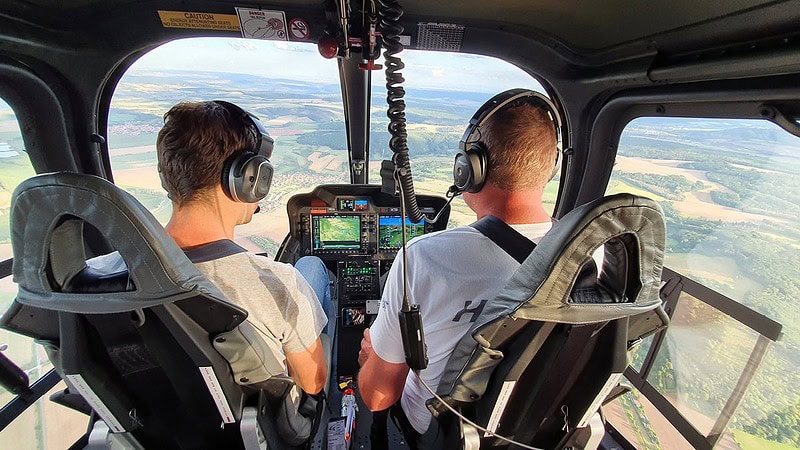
x,y
507,238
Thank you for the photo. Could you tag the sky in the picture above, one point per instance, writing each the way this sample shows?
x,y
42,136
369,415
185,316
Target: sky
x,y
302,61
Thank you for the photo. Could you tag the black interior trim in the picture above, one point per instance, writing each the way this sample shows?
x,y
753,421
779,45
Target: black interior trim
x,y
6,267
748,317
19,404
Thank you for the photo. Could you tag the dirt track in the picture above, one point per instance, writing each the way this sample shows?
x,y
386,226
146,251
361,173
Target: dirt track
x,y
695,203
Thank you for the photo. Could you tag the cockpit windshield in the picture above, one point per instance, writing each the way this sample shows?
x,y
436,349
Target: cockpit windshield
x,y
293,90
296,94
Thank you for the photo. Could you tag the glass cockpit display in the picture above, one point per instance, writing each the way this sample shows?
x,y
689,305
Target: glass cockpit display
x,y
336,232
390,232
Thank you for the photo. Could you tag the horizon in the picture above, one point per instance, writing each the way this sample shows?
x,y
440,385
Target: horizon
x,y
279,59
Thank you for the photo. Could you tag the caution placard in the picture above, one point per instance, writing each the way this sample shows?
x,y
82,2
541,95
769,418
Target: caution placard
x,y
263,24
199,21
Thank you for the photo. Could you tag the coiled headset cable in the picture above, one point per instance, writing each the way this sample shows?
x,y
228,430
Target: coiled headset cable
x,y
413,334
391,28
410,318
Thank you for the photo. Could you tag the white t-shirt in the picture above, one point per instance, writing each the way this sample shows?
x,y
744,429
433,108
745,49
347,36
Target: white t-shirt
x,y
281,305
451,275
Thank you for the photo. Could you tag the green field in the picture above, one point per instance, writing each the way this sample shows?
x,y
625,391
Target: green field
x,y
729,192
750,442
737,244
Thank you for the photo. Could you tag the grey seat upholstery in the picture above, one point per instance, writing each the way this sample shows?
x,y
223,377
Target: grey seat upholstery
x,y
547,350
137,344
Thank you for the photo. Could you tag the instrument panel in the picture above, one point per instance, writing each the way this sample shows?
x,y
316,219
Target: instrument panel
x,y
356,230
333,224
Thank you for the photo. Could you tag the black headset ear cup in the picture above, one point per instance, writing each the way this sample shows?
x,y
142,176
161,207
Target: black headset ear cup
x,y
462,171
228,175
469,168
259,169
247,177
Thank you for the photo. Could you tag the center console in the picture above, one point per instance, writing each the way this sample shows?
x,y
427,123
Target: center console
x,y
356,230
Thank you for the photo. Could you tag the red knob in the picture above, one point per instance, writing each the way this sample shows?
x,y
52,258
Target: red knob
x,y
328,47
370,65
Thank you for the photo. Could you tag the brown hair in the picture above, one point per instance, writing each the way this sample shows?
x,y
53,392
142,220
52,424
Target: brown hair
x,y
521,143
193,145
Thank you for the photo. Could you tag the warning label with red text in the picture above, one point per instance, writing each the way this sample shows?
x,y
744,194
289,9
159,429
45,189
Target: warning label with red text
x,y
263,24
199,21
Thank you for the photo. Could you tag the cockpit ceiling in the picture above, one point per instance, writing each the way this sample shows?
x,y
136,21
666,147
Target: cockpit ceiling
x,y
578,24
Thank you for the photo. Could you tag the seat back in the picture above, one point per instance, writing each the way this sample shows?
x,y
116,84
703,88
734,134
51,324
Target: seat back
x,y
554,342
137,344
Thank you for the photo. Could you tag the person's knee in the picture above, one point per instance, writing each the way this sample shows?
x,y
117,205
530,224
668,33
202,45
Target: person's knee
x,y
316,273
311,262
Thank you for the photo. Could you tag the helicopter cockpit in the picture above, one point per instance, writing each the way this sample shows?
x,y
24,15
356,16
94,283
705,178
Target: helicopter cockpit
x,y
692,105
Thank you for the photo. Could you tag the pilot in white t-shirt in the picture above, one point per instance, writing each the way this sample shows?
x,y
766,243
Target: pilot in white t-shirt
x,y
451,276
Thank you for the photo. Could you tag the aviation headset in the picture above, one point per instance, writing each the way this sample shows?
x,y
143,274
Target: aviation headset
x,y
247,175
469,167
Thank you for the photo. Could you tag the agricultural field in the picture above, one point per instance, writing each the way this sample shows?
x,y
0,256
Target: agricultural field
x,y
728,189
730,196
725,186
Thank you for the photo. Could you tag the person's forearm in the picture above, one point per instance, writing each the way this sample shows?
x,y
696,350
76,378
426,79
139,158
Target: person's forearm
x,y
379,389
308,368
309,383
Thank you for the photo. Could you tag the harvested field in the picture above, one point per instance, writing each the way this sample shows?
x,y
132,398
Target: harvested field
x,y
143,177
132,150
664,167
319,162
699,204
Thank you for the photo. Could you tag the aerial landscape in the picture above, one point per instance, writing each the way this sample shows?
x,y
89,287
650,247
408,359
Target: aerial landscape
x,y
728,188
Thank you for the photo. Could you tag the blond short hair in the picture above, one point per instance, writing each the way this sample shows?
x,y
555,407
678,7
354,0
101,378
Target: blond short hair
x,y
521,143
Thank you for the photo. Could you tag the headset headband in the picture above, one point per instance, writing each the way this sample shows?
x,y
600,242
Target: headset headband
x,y
500,101
264,142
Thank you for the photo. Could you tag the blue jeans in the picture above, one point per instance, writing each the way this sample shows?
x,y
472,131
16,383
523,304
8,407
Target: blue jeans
x,y
316,274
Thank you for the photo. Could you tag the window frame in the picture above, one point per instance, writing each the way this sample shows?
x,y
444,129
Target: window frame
x,y
696,103
769,331
43,125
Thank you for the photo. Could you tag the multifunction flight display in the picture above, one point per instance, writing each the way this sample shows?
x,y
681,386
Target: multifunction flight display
x,y
390,232
332,232
364,223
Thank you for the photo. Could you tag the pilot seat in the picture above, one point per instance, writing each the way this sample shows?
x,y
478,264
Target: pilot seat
x,y
552,346
161,359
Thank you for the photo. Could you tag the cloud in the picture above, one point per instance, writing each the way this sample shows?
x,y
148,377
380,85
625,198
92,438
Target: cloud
x,y
301,61
243,45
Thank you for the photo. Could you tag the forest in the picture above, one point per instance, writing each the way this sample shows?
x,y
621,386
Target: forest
x,y
740,171
753,261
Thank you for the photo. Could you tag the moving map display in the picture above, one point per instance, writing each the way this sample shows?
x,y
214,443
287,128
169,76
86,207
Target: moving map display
x,y
336,232
390,231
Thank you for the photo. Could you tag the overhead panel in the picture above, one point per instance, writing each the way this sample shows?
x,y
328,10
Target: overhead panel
x,y
579,24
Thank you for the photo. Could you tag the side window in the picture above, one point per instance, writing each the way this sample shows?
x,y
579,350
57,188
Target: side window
x,y
731,197
288,86
44,424
441,97
15,167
